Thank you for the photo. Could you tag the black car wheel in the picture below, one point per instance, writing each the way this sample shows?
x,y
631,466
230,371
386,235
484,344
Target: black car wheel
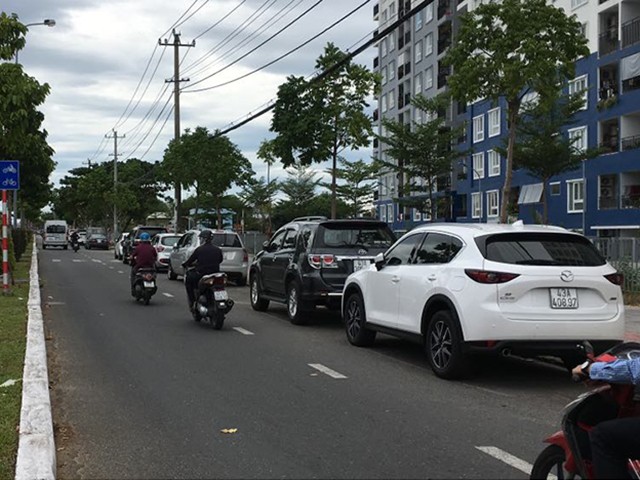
x,y
355,322
443,345
257,302
296,308
171,275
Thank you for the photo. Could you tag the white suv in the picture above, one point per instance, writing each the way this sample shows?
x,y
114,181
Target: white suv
x,y
466,288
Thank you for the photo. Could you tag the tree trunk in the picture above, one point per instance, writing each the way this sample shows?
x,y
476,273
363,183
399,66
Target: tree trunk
x,y
334,205
513,108
195,215
219,213
545,205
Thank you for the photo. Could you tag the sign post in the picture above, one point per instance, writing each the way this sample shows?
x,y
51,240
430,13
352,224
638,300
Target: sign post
x,y
9,180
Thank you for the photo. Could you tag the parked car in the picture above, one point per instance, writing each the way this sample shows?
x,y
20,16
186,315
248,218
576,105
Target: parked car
x,y
97,240
134,238
236,257
118,245
164,243
462,289
82,237
306,262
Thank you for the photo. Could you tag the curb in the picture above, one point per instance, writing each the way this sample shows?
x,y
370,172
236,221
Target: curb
x,y
36,446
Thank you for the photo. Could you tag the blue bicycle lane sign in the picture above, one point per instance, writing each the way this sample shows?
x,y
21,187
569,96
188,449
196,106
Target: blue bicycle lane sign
x,y
9,175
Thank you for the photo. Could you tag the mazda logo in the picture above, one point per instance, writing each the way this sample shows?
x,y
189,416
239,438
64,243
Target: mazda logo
x,y
566,276
362,252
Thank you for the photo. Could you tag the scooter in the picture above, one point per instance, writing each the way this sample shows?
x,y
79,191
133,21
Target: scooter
x,y
568,454
144,285
75,246
212,300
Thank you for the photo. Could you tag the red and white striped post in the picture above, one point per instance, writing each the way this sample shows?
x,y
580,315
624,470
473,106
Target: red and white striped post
x,y
5,246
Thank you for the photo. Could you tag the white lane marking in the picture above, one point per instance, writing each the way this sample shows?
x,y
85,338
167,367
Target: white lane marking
x,y
115,261
96,260
56,260
52,304
509,459
167,294
50,297
488,390
120,271
77,260
243,331
110,268
326,370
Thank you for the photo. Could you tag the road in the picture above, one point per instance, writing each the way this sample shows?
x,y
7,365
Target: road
x,y
145,392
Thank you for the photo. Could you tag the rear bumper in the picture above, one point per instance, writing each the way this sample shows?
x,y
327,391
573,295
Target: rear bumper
x,y
527,348
234,272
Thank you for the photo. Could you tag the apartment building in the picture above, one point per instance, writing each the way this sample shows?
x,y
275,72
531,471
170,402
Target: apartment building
x,y
602,198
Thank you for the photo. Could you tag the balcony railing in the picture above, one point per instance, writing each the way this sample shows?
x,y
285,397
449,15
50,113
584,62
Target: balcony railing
x,y
631,32
608,42
609,145
630,201
631,143
608,203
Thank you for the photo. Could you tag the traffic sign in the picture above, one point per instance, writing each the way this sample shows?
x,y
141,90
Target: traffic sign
x,y
9,175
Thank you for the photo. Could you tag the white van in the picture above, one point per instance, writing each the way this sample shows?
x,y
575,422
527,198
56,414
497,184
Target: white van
x,y
55,234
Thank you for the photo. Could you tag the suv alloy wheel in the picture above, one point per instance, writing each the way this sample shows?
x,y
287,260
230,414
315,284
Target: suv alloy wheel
x,y
354,322
257,302
444,347
296,308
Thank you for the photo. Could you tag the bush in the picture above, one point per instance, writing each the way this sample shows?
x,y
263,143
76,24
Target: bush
x,y
20,237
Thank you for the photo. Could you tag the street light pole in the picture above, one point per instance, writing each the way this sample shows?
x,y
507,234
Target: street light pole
x,y
48,22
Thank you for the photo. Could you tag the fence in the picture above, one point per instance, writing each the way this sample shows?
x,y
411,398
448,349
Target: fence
x,y
624,254
253,241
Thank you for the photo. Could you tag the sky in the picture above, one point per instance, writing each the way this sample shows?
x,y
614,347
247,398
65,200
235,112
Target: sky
x,y
95,58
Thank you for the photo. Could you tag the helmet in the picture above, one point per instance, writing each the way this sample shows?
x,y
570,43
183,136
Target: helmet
x,y
145,237
206,235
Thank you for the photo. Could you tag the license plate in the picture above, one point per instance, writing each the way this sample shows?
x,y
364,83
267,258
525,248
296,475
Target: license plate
x,y
563,298
220,295
228,255
149,284
360,264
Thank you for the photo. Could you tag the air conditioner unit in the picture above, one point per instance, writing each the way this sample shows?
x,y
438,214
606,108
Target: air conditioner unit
x,y
606,181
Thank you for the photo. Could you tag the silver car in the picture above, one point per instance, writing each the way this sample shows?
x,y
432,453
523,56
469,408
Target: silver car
x,y
236,258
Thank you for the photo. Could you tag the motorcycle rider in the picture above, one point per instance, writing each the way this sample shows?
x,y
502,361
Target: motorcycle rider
x,y
75,238
207,259
143,256
613,442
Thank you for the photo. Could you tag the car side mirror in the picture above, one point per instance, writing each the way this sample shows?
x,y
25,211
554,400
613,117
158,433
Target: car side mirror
x,y
379,261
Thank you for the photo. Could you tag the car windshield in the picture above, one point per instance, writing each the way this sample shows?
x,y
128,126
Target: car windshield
x,y
556,249
56,229
150,231
226,240
169,241
353,235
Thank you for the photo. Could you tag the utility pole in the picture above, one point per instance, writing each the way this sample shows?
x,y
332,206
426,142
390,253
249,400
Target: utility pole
x,y
176,108
115,180
88,162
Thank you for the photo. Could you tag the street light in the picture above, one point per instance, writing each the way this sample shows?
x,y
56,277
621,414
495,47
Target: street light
x,y
47,22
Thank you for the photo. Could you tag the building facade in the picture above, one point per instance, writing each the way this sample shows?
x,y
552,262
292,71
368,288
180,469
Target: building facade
x,y
601,198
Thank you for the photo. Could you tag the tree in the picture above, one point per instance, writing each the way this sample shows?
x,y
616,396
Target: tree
x,y
358,176
504,49
258,196
300,187
21,134
541,149
316,120
423,152
208,163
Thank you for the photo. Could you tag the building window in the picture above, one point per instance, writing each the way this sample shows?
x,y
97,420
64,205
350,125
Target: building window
x,y
478,128
428,45
392,70
417,84
392,11
418,17
494,122
383,47
492,203
392,98
417,114
494,163
478,165
428,13
578,3
554,189
418,50
578,137
385,103
392,41
580,84
384,74
390,213
428,78
476,205
575,196
383,213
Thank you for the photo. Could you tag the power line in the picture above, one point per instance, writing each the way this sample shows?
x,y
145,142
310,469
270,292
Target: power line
x,y
191,15
339,64
220,21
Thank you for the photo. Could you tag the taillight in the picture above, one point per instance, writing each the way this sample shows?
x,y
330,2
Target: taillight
x,y
245,256
159,248
615,278
220,281
485,276
148,277
322,261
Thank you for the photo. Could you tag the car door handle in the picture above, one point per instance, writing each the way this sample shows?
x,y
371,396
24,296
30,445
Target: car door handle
x,y
395,279
432,278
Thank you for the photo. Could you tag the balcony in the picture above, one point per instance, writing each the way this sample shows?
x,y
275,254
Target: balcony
x,y
631,197
631,32
630,143
608,42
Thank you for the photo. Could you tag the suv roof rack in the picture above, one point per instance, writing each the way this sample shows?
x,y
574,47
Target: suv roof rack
x,y
309,219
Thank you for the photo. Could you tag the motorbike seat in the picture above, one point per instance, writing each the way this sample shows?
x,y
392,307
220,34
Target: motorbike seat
x,y
204,278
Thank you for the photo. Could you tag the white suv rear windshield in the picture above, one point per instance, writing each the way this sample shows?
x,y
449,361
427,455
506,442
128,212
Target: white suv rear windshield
x,y
540,249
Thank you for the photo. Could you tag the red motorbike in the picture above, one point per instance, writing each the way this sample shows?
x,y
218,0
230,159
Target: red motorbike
x,y
568,454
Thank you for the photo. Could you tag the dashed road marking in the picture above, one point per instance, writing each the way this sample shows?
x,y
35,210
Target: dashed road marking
x,y
111,268
115,261
56,260
326,370
510,460
120,271
243,331
96,260
77,260
167,294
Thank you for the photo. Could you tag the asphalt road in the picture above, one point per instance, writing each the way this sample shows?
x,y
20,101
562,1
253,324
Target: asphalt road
x,y
145,392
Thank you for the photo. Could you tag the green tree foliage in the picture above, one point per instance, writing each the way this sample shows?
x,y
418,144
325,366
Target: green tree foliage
x,y
504,49
541,149
86,196
258,196
316,120
21,134
422,152
358,179
208,163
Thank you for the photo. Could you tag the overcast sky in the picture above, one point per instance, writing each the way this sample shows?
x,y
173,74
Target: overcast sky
x,y
95,57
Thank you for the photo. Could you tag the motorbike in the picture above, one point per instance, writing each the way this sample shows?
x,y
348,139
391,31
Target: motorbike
x,y
568,454
212,300
144,285
75,245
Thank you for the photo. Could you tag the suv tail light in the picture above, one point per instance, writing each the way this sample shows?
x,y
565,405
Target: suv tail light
x,y
245,255
159,248
321,260
615,278
486,276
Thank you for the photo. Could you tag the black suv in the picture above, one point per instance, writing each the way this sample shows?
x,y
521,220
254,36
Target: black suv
x,y
306,262
134,238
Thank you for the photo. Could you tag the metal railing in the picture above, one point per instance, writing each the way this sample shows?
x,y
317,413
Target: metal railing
x,y
623,254
631,32
630,143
